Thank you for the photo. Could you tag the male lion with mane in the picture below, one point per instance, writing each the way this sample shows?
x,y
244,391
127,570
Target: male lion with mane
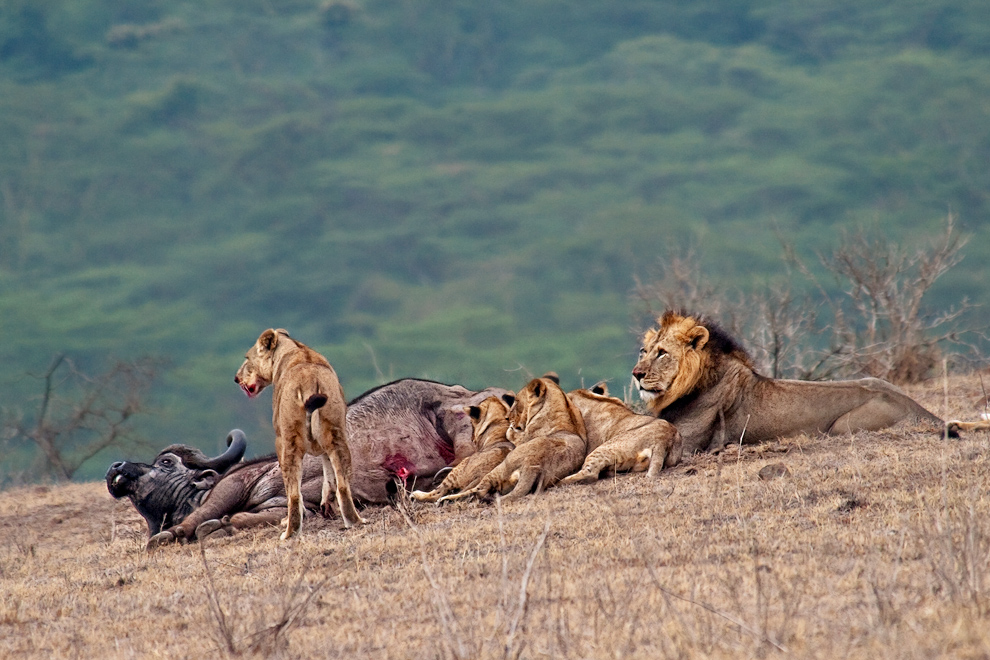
x,y
693,374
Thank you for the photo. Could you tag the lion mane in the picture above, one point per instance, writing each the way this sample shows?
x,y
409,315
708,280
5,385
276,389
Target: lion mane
x,y
695,375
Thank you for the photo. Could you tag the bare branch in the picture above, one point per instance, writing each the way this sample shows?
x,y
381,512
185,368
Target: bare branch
x,y
80,415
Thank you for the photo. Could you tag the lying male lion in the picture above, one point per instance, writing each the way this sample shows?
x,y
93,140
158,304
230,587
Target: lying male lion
x,y
694,375
490,422
550,443
619,440
308,413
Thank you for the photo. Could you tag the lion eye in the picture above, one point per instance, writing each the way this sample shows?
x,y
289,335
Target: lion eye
x,y
642,352
660,353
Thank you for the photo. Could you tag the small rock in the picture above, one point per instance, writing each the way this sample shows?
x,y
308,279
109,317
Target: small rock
x,y
773,471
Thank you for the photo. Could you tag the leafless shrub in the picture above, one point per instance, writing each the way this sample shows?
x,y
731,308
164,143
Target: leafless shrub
x,y
879,327
681,284
268,640
80,415
871,321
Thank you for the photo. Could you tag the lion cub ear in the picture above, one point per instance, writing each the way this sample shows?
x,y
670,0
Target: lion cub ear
x,y
697,336
509,399
552,375
268,339
600,388
539,387
474,412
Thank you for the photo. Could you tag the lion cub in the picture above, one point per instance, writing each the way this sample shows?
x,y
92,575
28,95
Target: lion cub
x,y
550,443
489,422
620,440
308,413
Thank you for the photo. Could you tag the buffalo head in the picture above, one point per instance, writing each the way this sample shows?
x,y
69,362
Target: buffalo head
x,y
169,489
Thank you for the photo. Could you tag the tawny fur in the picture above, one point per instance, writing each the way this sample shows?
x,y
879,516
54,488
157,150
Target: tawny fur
x,y
550,443
308,414
619,440
692,374
489,421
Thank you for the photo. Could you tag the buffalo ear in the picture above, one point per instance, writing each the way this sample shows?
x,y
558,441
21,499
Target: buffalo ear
x,y
509,399
206,480
552,375
697,336
268,339
474,412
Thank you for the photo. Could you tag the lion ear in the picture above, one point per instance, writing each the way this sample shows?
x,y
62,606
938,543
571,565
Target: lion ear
x,y
600,388
268,339
552,375
539,388
474,412
509,399
698,336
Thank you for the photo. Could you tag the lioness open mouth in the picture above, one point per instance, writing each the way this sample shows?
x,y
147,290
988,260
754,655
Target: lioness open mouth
x,y
251,390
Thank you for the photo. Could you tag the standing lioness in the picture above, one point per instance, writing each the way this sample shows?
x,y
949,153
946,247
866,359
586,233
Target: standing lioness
x,y
308,413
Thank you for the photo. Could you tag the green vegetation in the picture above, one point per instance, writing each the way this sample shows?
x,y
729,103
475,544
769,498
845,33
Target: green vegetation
x,y
450,189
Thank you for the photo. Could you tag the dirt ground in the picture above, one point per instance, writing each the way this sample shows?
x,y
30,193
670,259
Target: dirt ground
x,y
870,546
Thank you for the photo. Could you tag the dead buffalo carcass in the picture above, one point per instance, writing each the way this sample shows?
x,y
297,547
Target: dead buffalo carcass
x,y
400,433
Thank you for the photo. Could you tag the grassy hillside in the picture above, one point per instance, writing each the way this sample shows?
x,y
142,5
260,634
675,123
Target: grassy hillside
x,y
872,546
449,189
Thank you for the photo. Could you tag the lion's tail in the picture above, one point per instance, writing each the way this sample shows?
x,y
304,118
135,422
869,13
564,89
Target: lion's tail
x,y
315,402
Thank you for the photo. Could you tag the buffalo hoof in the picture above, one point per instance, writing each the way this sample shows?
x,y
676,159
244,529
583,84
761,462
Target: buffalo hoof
x,y
211,529
160,539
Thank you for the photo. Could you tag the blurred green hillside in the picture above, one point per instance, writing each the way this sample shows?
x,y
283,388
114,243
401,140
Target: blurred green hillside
x,y
449,189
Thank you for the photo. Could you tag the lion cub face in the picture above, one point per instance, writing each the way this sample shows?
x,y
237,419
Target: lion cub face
x,y
542,408
670,360
259,364
489,420
527,404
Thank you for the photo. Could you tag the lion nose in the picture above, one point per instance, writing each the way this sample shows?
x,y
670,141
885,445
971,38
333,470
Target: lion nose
x,y
638,373
237,380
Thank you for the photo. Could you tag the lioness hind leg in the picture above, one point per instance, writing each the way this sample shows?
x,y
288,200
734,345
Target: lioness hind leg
x,y
345,500
290,460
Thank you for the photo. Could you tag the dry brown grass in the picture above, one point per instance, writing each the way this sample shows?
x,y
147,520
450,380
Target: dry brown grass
x,y
873,546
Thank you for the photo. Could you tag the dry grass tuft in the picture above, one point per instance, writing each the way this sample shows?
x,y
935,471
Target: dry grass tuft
x,y
871,546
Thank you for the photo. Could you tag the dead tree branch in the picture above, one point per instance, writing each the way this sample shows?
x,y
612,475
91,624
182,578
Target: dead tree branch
x,y
80,415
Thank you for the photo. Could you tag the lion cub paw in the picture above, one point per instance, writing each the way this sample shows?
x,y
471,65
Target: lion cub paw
x,y
580,478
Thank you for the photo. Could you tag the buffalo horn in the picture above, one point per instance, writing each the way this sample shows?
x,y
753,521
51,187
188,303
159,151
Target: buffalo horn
x,y
236,444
